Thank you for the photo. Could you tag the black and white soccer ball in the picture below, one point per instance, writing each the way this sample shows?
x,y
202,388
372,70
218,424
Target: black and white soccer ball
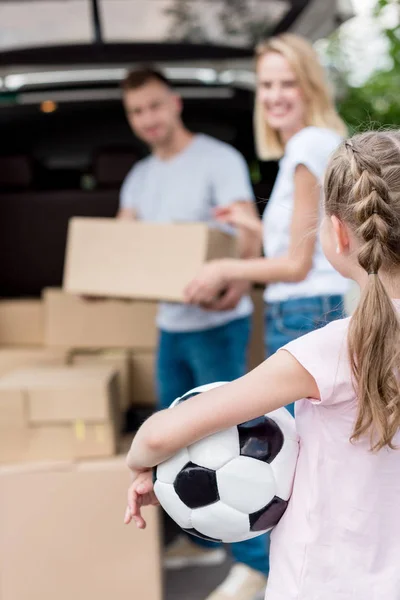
x,y
233,485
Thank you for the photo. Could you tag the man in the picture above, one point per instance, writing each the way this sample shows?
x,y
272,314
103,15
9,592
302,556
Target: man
x,y
185,178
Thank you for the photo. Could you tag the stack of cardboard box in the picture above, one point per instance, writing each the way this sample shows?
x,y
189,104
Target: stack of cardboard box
x,y
61,523
71,364
105,331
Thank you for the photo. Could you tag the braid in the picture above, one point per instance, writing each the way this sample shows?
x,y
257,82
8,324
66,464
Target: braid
x,y
362,188
373,214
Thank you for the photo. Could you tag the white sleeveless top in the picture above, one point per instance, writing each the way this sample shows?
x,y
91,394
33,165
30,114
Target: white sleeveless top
x,y
311,147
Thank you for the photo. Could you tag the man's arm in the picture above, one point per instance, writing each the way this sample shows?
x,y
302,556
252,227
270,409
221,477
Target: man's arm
x,y
232,184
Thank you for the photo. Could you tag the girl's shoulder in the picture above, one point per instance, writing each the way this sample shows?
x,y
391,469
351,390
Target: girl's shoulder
x,y
330,336
324,354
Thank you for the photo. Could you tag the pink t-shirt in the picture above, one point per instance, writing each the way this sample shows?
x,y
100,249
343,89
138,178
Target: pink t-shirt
x,y
340,536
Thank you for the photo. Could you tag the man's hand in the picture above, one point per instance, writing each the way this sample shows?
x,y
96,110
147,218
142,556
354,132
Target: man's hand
x,y
205,288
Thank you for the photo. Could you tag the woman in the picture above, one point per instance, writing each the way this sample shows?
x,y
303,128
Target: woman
x,y
295,120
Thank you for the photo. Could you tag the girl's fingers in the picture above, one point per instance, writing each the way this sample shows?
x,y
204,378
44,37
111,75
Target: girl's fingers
x,y
145,487
132,500
128,516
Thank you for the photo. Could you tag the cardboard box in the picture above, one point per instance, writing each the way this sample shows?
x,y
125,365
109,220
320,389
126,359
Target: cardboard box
x,y
127,259
21,323
58,413
120,360
62,524
70,441
71,321
16,358
143,387
256,351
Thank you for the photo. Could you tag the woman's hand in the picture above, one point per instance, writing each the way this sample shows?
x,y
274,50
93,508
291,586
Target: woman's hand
x,y
240,215
230,297
206,287
140,493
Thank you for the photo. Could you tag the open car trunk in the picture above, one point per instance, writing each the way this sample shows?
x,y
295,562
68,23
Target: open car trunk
x,y
65,143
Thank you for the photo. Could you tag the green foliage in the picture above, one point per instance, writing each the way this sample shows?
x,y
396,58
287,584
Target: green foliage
x,y
375,104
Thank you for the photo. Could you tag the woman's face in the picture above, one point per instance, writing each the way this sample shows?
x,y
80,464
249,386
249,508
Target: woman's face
x,y
280,94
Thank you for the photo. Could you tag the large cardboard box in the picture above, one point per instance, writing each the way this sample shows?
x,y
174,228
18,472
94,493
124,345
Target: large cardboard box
x,y
63,537
120,360
16,358
21,323
71,321
58,413
127,259
143,385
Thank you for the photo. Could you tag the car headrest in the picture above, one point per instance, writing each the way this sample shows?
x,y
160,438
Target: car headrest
x,y
16,172
111,168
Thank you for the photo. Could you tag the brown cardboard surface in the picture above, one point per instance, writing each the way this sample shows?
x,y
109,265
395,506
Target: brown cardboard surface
x,y
16,358
69,541
64,394
143,388
58,413
71,441
118,359
127,259
21,322
71,321
12,410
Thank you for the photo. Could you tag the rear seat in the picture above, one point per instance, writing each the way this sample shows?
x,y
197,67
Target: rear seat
x,y
110,166
34,224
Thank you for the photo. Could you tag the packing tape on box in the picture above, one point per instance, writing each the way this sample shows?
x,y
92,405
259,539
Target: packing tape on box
x,y
80,429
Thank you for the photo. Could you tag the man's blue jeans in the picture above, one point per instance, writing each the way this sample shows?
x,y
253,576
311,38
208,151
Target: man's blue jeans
x,y
187,360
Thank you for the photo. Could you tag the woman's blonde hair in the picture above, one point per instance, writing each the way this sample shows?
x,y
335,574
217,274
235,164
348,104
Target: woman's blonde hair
x,y
320,109
362,188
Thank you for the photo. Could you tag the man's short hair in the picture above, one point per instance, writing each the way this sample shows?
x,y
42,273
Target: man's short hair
x,y
139,77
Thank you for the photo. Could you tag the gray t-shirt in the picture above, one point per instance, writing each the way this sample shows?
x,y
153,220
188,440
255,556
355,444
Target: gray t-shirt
x,y
186,188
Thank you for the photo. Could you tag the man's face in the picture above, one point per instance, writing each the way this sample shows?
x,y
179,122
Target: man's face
x,y
153,111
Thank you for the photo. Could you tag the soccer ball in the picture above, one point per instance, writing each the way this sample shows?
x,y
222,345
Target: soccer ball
x,y
233,485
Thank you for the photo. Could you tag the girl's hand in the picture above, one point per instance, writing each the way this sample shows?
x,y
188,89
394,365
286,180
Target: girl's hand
x,y
140,494
209,283
241,215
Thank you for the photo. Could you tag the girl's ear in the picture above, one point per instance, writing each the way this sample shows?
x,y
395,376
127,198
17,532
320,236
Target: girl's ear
x,y
341,235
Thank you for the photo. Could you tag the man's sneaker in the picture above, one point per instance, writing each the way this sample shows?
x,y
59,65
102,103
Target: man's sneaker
x,y
242,583
184,553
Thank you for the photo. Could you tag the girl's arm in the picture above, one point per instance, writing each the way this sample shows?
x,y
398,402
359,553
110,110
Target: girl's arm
x,y
292,267
277,382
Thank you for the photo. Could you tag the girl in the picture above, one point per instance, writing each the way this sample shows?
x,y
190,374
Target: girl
x,y
294,118
340,535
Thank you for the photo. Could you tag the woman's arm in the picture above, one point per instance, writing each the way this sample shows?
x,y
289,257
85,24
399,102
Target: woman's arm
x,y
277,382
292,267
243,216
297,263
